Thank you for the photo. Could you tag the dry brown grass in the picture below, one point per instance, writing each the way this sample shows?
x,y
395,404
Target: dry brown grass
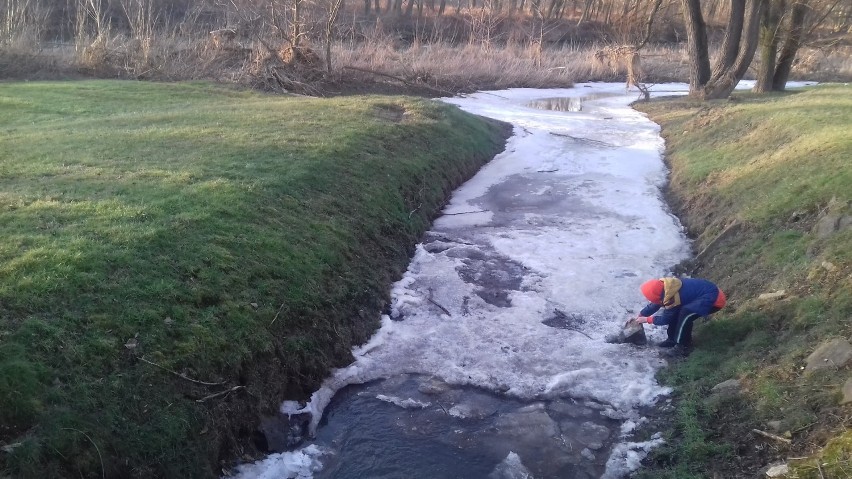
x,y
23,59
437,66
471,67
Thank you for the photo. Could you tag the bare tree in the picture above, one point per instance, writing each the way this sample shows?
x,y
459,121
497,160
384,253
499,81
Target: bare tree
x,y
140,17
737,51
770,34
15,13
785,27
331,18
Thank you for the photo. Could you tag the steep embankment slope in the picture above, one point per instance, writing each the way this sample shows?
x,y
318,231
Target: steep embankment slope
x,y
764,183
179,258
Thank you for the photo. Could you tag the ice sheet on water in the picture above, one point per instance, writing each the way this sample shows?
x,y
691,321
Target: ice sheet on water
x,y
511,468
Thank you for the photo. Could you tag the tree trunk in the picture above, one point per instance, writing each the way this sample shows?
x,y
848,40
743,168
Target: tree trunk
x,y
724,84
731,44
770,22
583,16
297,23
792,42
331,19
699,58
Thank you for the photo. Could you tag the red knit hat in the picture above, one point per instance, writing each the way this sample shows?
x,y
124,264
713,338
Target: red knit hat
x,y
653,290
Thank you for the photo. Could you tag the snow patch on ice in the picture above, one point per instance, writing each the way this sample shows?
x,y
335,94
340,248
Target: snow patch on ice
x,y
299,464
408,403
626,457
511,468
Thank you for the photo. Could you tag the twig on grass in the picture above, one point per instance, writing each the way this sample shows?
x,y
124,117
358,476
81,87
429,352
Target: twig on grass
x,y
277,314
220,393
772,436
182,376
103,470
420,195
794,431
414,210
819,468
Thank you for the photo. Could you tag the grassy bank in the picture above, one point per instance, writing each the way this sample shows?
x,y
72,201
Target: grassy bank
x,y
754,180
161,236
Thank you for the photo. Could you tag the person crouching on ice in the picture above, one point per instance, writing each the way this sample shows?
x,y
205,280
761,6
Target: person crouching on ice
x,y
683,301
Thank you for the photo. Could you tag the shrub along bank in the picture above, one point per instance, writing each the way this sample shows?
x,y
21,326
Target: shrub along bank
x,y
179,258
763,184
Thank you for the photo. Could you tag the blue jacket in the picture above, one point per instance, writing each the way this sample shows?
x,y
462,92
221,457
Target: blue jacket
x,y
696,295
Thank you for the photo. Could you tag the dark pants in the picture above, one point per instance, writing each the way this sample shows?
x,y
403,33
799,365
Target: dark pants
x,y
680,331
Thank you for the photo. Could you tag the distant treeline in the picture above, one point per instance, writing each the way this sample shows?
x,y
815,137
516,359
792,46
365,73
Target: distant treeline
x,y
611,20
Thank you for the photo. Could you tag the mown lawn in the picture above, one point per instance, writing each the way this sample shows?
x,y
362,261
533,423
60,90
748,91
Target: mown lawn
x,y
773,165
235,238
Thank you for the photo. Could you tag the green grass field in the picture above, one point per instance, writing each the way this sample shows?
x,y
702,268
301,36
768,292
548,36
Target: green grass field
x,y
772,165
228,236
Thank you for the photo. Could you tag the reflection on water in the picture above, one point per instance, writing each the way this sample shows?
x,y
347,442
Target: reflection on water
x,y
574,104
416,426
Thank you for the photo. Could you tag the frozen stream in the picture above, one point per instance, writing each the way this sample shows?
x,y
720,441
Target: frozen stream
x,y
492,361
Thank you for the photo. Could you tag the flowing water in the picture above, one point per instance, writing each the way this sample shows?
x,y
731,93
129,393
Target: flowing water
x,y
492,360
569,104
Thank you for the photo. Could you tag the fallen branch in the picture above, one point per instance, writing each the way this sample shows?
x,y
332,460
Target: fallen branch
x,y
182,376
429,298
586,140
569,328
439,306
220,393
772,436
103,471
547,171
466,212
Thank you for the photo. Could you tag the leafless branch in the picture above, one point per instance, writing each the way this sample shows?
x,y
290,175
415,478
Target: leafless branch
x,y
220,393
